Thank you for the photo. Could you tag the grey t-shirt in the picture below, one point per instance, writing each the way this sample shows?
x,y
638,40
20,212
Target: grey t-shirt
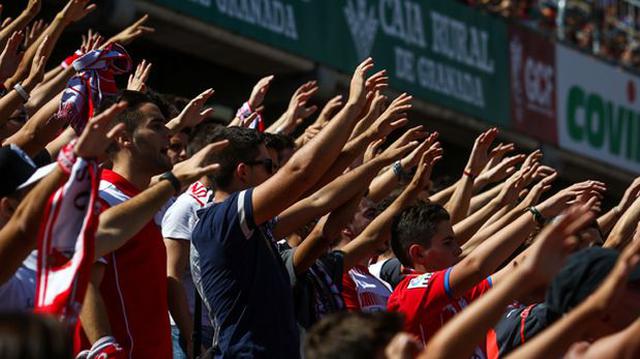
x,y
317,291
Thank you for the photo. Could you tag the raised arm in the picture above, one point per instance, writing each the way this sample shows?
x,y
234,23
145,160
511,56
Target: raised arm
x,y
623,344
554,342
365,243
466,228
297,110
459,337
323,234
309,163
12,100
485,259
335,193
393,118
18,237
20,22
495,174
458,205
386,182
622,232
74,10
53,86
121,222
607,221
531,199
39,130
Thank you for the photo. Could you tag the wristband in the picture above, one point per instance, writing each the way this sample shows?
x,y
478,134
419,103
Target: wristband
x,y
399,171
67,157
169,176
3,90
244,112
468,173
537,216
21,91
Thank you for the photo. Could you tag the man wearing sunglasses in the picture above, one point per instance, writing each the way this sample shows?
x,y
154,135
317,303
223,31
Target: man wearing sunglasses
x,y
235,263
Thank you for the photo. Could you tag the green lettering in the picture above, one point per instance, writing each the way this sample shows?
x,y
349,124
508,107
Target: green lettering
x,y
575,100
631,128
595,120
615,127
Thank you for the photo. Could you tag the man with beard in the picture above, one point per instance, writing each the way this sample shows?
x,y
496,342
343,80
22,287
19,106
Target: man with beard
x,y
126,301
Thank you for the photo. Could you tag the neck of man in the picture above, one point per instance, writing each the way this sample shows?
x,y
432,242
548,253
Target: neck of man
x,y
222,193
127,168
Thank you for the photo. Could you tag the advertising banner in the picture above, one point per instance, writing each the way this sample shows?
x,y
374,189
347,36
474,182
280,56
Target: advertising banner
x,y
533,84
598,109
440,51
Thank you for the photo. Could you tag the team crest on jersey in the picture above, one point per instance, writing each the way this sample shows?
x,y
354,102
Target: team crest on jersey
x,y
421,281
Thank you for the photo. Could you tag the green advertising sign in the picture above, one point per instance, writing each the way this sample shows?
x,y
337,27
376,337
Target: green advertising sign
x,y
440,51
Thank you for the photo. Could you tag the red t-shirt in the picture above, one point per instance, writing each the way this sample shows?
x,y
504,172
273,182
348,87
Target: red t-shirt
x,y
134,287
427,302
362,291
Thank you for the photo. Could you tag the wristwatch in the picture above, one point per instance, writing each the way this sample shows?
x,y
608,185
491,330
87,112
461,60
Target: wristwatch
x,y
537,216
169,176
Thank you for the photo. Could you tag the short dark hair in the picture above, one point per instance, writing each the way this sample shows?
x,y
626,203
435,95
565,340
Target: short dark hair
x,y
352,335
244,146
131,117
415,225
32,336
201,136
278,141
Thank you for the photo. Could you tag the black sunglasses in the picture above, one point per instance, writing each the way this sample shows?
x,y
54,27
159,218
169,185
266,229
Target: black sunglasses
x,y
268,164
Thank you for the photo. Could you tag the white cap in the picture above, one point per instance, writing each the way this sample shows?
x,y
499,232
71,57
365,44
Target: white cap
x,y
39,174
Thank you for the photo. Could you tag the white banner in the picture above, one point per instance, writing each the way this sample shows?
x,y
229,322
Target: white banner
x,y
598,109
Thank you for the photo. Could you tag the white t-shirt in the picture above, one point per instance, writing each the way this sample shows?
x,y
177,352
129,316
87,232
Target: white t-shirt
x,y
178,222
18,294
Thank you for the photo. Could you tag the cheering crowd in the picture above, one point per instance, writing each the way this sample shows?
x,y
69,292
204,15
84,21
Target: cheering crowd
x,y
609,29
135,225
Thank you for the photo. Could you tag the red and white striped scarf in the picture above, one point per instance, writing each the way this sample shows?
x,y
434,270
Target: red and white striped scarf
x,y
66,243
94,81
245,111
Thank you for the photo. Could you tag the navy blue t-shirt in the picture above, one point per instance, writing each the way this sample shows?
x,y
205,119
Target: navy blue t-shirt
x,y
243,282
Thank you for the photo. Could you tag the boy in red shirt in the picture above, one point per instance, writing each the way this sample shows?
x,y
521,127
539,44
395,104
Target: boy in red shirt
x,y
423,239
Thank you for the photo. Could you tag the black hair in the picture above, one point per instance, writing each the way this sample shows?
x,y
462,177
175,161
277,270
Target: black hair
x,y
415,225
278,142
352,335
32,336
244,146
201,136
131,117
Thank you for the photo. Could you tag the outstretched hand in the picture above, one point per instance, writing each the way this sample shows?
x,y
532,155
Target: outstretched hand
x,y
259,91
422,176
132,32
480,152
358,89
76,10
138,80
11,55
98,134
563,199
394,117
193,113
199,164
